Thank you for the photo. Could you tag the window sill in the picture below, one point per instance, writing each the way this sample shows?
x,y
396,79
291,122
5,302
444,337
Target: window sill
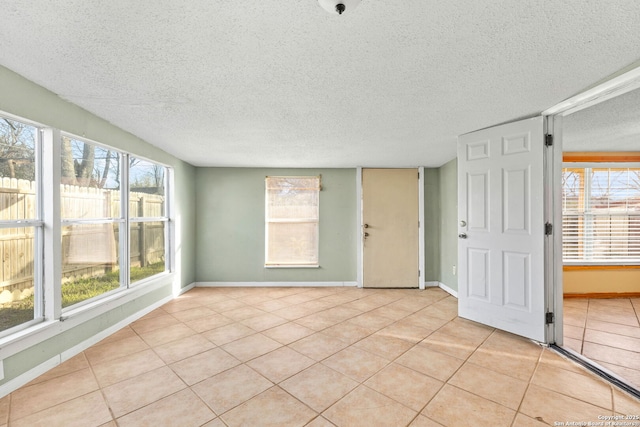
x,y
291,266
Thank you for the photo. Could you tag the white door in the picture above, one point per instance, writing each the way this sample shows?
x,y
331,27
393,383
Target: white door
x,y
501,227
390,220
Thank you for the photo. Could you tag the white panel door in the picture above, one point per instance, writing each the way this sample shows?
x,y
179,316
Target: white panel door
x,y
501,227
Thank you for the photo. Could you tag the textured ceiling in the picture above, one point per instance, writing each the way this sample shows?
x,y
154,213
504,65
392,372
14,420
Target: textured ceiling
x,y
284,83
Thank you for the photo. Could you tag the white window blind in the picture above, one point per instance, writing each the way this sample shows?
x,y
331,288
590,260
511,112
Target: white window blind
x,y
292,219
601,215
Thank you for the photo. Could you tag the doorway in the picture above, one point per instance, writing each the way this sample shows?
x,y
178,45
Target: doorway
x,y
597,195
390,223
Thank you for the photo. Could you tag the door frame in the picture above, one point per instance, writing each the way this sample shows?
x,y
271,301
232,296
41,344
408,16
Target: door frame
x,y
360,229
616,85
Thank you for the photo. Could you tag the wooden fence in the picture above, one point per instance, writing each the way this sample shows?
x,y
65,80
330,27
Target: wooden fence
x,y
88,250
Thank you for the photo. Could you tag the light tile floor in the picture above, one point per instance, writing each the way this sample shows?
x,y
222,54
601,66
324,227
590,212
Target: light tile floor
x,y
606,331
315,357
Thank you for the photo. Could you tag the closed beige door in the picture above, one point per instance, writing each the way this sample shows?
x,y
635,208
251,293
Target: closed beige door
x,y
390,233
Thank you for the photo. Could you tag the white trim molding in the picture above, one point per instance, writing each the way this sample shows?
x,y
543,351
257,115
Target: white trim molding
x,y
447,289
272,284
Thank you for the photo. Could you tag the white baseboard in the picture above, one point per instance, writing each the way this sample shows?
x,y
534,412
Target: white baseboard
x,y
186,289
431,284
448,289
34,373
272,284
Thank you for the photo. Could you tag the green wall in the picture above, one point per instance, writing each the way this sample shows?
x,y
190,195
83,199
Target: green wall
x,y
231,229
27,100
448,175
432,224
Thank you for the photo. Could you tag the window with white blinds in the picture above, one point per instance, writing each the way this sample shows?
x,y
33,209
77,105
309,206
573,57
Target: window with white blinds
x,y
292,221
601,215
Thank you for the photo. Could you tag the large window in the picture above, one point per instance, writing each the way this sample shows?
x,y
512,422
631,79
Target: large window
x,y
91,220
20,225
148,224
601,215
292,218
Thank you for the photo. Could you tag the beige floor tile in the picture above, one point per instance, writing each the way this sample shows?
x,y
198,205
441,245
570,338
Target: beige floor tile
x,y
243,313
47,394
72,365
288,333
384,345
446,308
573,344
183,408
584,387
155,313
5,404
613,340
349,332
215,423
272,305
320,422
298,298
158,322
630,376
355,363
115,349
621,317
170,333
228,333
423,319
280,364
549,407
125,332
570,331
456,346
255,298
392,312
404,385
226,305
487,383
453,407
251,347
193,313
614,328
574,316
317,321
410,304
319,346
366,407
371,320
427,361
508,354
116,370
86,411
263,321
625,404
182,303
319,387
524,421
196,368
611,355
134,393
406,331
553,359
229,389
183,348
422,421
273,407
204,324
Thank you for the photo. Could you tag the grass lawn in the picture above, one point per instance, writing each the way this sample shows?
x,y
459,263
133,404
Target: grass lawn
x,y
17,312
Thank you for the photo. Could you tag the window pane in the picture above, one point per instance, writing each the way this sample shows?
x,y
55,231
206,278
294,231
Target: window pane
x,y
293,243
17,276
17,170
147,178
89,261
147,249
91,181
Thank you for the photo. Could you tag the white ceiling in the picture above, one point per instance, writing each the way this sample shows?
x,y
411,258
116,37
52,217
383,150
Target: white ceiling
x,y
286,84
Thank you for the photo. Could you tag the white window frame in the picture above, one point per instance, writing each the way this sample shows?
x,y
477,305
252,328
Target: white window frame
x,y
587,213
38,231
268,220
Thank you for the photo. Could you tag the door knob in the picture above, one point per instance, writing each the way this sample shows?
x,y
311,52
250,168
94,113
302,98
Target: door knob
x,y
462,235
366,234
366,226
463,223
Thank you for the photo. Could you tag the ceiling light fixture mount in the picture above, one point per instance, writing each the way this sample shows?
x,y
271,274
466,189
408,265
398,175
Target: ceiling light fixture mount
x,y
338,6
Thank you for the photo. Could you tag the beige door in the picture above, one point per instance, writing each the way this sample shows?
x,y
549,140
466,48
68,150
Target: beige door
x,y
390,228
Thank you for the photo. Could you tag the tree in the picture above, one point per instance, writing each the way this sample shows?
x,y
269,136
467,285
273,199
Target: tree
x,y
17,150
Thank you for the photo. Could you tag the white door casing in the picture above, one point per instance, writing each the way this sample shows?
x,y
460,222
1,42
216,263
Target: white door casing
x,y
501,225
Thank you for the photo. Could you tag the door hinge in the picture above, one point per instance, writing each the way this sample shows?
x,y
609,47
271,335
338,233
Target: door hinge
x,y
549,318
548,229
418,273
548,140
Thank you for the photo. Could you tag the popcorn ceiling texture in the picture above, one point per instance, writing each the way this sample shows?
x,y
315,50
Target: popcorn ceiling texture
x,y
286,84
